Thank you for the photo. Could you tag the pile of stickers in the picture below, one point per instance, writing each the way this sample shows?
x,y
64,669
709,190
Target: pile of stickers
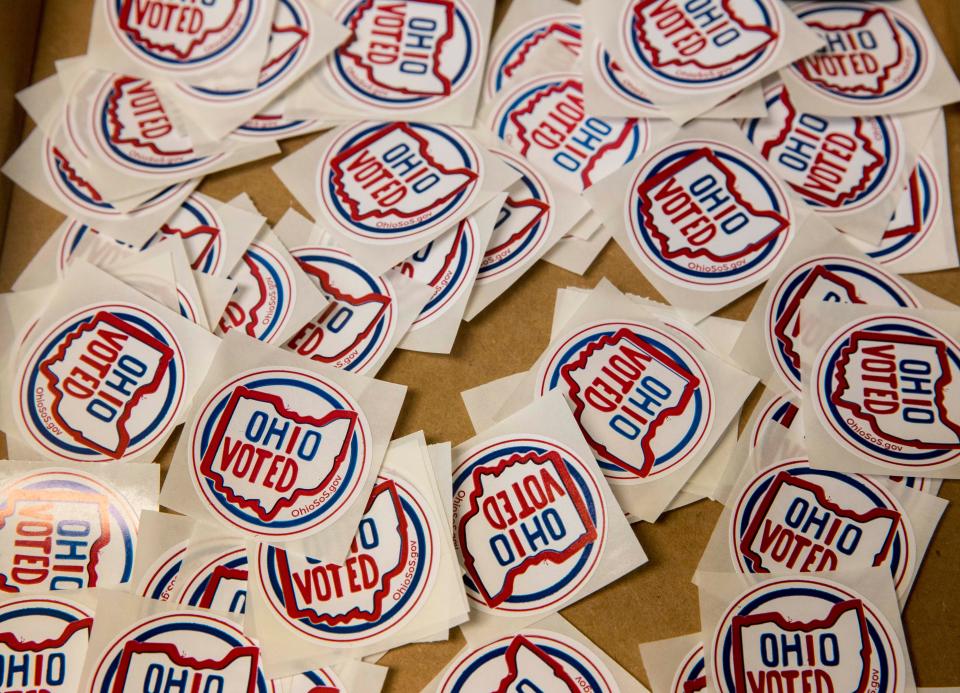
x,y
724,145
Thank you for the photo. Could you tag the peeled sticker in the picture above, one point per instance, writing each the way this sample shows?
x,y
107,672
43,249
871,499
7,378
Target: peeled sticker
x,y
136,642
70,526
218,44
687,58
649,400
701,215
106,374
576,255
880,398
550,656
820,266
387,189
535,525
274,296
812,629
367,315
43,640
407,60
877,58
448,265
849,169
278,447
787,517
398,582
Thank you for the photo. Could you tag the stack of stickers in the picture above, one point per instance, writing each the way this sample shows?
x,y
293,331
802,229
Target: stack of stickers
x,y
796,148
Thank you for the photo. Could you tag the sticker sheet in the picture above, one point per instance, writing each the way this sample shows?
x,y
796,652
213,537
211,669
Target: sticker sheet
x,y
675,665
536,526
651,403
576,255
398,583
160,547
878,58
821,265
367,315
850,170
703,217
71,525
836,631
687,58
550,655
385,189
881,397
106,373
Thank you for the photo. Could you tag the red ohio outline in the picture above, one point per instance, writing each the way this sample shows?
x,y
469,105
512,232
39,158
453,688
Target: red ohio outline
x,y
780,621
117,127
11,641
939,387
785,478
858,131
212,232
63,497
542,209
573,392
172,653
513,667
255,505
219,574
445,81
133,332
640,22
574,44
913,190
137,37
687,161
337,174
801,64
553,555
71,173
355,613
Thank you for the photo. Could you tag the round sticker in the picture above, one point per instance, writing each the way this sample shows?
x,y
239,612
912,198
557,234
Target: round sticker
x,y
915,215
289,41
643,400
279,452
769,439
883,390
446,264
529,523
534,660
160,578
72,509
44,643
525,224
516,49
691,676
838,165
874,53
847,644
70,240
381,585
692,46
404,55
828,278
264,296
791,518
216,581
105,383
707,216
616,81
78,193
209,652
182,38
111,120
317,681
393,182
578,149
360,321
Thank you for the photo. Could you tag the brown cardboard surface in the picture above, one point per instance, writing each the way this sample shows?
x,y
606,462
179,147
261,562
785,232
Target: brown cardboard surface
x,y
658,601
